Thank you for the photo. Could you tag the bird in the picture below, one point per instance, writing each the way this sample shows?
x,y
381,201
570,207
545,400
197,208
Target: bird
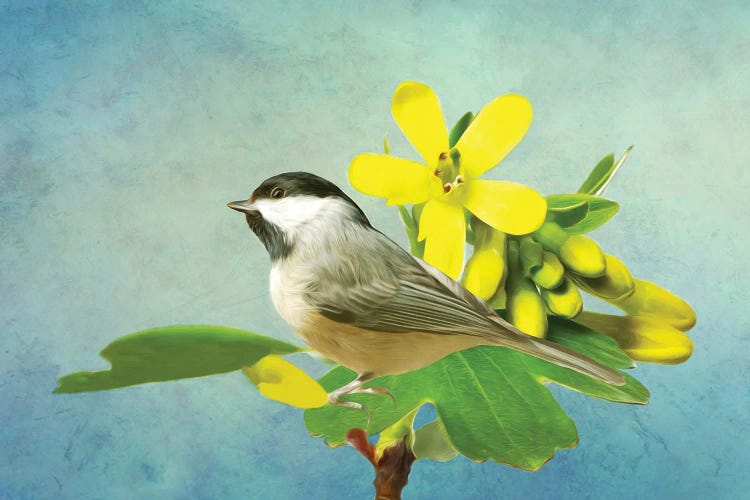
x,y
361,300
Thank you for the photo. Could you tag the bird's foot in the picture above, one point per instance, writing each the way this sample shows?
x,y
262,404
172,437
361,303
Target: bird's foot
x,y
355,387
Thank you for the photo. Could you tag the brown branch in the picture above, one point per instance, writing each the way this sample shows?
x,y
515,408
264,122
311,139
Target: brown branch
x,y
392,467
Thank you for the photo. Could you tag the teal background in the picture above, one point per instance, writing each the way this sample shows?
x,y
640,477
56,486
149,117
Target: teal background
x,y
125,127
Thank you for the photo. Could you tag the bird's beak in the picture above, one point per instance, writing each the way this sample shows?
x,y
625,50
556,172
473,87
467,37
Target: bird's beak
x,y
244,206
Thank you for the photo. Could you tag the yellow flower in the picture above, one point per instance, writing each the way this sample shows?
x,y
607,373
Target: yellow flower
x,y
448,180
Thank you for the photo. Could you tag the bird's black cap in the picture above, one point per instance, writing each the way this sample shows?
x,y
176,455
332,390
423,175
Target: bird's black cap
x,y
303,184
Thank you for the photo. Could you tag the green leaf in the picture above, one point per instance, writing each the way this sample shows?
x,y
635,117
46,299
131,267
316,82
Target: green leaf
x,y
598,175
599,211
172,353
431,443
569,215
491,400
603,173
459,128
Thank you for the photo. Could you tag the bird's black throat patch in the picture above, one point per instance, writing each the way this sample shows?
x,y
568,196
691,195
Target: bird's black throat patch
x,y
277,245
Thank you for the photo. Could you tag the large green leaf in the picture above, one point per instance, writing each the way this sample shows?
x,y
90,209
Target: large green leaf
x,y
174,352
431,443
491,401
599,210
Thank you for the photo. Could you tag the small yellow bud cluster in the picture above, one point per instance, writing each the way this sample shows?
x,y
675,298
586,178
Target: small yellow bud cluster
x,y
543,273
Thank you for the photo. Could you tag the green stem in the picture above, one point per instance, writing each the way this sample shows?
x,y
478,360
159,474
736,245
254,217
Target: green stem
x,y
530,255
412,231
551,236
481,232
401,429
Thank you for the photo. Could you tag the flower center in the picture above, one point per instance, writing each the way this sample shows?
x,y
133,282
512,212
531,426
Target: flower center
x,y
449,170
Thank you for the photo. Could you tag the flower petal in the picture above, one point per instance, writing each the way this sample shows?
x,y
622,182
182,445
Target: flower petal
x,y
282,381
494,133
444,226
508,207
416,109
398,180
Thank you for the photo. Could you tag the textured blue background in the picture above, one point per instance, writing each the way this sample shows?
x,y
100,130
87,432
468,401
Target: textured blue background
x,y
126,126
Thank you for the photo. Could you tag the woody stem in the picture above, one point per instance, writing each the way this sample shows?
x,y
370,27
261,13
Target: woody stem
x,y
392,471
392,467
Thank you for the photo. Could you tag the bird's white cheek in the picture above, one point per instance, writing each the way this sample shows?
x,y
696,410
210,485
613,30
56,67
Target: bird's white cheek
x,y
275,212
290,213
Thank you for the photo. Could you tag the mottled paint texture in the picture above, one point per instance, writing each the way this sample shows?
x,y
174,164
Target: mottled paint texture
x,y
125,127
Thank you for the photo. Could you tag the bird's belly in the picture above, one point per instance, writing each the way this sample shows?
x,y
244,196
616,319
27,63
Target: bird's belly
x,y
380,353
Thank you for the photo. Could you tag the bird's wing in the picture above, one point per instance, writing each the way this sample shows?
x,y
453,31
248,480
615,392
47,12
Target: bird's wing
x,y
398,294
389,291
455,288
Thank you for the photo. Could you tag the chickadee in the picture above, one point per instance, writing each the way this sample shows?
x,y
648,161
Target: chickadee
x,y
361,300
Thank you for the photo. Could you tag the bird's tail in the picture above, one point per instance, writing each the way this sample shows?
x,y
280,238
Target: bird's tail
x,y
554,353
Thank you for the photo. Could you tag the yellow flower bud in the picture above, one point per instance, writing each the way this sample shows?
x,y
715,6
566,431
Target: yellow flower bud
x,y
524,307
486,268
564,301
483,273
550,274
643,338
650,299
615,283
583,256
578,253
526,311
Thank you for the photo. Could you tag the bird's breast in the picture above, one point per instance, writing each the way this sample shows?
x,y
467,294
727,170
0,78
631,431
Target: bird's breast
x,y
287,294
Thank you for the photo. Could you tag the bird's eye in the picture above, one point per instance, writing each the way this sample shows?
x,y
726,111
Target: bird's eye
x,y
277,193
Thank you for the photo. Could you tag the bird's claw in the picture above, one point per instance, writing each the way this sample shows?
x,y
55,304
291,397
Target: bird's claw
x,y
382,391
333,399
